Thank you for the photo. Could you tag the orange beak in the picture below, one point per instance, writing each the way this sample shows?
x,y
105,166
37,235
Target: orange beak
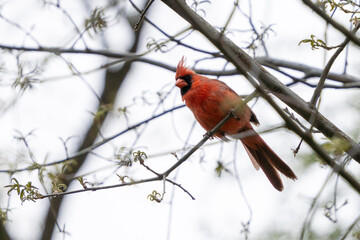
x,y
180,83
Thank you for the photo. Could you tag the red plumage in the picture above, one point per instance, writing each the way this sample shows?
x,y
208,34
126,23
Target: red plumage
x,y
210,100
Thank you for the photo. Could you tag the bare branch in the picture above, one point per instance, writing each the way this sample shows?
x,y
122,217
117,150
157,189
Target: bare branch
x,y
103,187
311,211
27,33
142,15
57,50
123,184
181,187
356,221
309,71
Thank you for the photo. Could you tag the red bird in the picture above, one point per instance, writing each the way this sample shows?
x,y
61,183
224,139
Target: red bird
x,y
210,100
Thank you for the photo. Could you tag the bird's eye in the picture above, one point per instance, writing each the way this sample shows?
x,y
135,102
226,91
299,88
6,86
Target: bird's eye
x,y
187,78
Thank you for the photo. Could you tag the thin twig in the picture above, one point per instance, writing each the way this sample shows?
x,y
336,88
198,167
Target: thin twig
x,y
230,17
142,15
27,33
309,71
245,225
181,187
103,187
357,220
311,211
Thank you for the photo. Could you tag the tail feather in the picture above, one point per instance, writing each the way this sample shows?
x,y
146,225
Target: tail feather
x,y
253,160
279,164
262,155
266,166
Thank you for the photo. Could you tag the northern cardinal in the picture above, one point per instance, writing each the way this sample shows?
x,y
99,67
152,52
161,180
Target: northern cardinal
x,y
210,100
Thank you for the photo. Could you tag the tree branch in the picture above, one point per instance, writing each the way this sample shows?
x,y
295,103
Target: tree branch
x,y
273,63
57,50
93,189
3,233
308,71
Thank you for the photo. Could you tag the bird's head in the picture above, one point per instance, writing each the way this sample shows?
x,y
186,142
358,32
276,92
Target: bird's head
x,y
183,77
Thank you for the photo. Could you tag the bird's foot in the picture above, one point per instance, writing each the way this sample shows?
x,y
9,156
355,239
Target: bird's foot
x,y
233,114
207,134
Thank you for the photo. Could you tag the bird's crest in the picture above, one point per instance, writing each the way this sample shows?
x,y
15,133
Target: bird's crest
x,y
181,70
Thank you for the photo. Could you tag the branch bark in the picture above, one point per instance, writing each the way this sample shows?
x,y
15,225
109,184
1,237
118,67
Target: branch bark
x,y
3,233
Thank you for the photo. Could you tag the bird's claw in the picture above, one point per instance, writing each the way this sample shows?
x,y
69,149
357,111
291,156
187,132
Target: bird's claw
x,y
233,114
207,134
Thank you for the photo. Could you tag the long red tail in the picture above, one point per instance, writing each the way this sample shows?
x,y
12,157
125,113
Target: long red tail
x,y
264,157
